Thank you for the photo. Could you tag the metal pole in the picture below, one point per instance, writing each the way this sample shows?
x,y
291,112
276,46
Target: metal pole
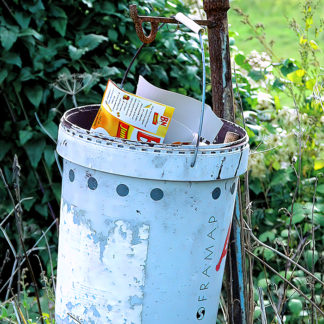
x,y
220,62
222,95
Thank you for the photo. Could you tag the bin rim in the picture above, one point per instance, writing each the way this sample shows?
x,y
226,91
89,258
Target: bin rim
x,y
68,124
105,153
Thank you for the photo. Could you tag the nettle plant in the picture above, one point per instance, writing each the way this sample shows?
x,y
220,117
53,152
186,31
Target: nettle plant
x,y
283,103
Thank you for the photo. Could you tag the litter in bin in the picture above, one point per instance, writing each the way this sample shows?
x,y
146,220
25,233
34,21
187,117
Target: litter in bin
x,y
149,116
125,115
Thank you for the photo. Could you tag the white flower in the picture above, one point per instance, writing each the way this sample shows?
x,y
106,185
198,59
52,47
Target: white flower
x,y
264,100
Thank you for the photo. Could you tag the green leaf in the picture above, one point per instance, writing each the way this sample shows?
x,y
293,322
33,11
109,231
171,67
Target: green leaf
x,y
263,283
59,24
8,37
56,187
295,306
308,255
320,188
297,218
22,18
241,60
38,6
42,209
49,155
268,235
288,66
76,53
4,148
318,219
26,74
57,12
34,150
28,204
3,75
256,75
113,35
25,136
11,58
52,128
34,94
91,41
110,72
31,32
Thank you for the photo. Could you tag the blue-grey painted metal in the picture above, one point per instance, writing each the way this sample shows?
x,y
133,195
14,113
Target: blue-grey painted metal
x,y
238,246
143,235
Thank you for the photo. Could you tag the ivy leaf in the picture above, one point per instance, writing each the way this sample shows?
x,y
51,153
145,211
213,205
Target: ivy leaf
x,y
59,24
308,255
288,66
11,58
34,150
42,209
320,188
22,19
3,75
4,148
25,136
26,74
295,306
38,6
34,94
268,235
113,35
31,32
49,155
76,53
52,128
8,37
90,41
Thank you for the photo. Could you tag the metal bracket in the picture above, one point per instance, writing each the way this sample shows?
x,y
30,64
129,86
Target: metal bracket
x,y
155,21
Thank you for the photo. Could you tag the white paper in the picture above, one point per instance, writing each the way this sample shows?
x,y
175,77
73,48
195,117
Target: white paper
x,y
186,115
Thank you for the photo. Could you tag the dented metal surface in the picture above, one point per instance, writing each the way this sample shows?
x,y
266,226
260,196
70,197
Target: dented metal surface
x,y
140,243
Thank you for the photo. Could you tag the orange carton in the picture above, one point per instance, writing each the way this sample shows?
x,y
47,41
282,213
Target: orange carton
x,y
125,115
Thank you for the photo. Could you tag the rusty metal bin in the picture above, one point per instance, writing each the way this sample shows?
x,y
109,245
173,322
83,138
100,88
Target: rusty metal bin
x,y
143,235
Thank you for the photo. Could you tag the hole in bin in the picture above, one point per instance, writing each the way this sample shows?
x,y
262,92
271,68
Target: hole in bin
x,y
216,193
122,190
71,175
92,183
157,194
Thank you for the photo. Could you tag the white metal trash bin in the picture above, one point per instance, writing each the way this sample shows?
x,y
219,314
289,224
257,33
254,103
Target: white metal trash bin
x,y
143,235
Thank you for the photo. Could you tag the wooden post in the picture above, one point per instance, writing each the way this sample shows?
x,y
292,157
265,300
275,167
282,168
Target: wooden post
x,y
220,62
222,95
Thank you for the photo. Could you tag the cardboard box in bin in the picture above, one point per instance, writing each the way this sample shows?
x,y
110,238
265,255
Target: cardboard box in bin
x,y
153,115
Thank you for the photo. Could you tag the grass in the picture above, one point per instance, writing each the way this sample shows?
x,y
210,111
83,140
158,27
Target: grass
x,y
274,15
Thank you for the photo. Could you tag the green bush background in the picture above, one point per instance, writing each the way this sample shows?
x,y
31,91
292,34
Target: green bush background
x,y
41,41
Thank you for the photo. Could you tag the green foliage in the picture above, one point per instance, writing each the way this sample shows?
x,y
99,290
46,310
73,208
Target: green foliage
x,y
283,108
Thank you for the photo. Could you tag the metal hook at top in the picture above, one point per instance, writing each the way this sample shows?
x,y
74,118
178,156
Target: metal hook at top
x,y
138,21
154,21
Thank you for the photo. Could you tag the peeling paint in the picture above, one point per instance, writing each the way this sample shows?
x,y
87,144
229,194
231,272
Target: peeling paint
x,y
98,267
